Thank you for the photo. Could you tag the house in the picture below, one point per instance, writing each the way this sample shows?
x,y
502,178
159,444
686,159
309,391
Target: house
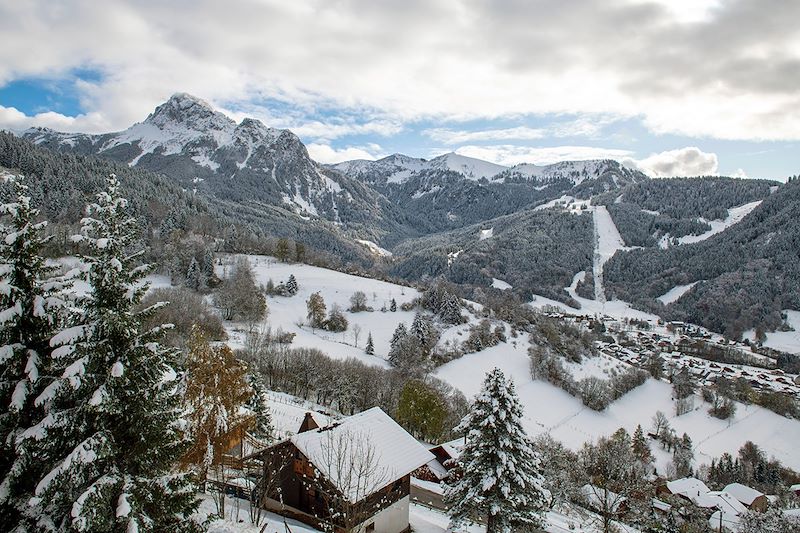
x,y
439,468
749,497
795,489
352,475
728,511
689,488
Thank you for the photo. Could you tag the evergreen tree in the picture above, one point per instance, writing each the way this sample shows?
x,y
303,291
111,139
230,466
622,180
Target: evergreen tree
x,y
291,285
450,309
31,307
299,252
399,332
683,455
194,275
498,473
423,330
370,348
111,438
393,306
207,266
639,446
262,427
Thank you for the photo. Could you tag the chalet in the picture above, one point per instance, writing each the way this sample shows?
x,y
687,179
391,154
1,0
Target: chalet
x,y
439,468
751,498
689,488
795,489
352,475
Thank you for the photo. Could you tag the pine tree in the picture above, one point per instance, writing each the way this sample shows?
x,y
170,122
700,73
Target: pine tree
x,y
393,306
262,427
399,332
683,456
193,275
450,309
370,348
31,307
291,285
111,438
639,446
498,473
423,330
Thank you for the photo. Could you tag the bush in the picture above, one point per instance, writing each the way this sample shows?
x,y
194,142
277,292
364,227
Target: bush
x,y
336,320
239,297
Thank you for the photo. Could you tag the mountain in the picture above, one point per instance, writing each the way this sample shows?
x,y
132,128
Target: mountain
x,y
453,191
204,150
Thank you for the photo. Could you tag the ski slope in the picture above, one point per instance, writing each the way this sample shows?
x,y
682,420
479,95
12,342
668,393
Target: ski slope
x,y
735,214
675,293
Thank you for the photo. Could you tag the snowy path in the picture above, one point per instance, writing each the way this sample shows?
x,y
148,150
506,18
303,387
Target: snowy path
x,y
735,214
607,241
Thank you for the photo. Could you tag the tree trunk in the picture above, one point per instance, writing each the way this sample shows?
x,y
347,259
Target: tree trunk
x,y
492,525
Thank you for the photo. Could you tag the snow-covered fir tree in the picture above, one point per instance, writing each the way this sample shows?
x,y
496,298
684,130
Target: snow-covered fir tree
x,y
498,473
639,446
393,305
370,348
31,307
194,277
262,426
112,436
291,285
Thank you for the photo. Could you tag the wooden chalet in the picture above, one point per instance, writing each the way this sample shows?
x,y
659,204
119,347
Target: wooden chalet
x,y
359,467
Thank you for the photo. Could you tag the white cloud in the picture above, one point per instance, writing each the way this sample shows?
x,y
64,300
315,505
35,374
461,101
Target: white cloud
x,y
324,153
513,155
677,69
689,161
448,136
15,120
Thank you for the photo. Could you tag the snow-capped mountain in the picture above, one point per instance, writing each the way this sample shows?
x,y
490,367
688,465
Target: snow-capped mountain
x,y
203,149
399,168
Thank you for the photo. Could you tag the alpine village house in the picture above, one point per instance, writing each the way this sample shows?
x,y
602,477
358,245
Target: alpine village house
x,y
350,476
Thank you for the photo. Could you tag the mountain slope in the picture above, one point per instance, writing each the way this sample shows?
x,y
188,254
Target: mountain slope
x,y
746,275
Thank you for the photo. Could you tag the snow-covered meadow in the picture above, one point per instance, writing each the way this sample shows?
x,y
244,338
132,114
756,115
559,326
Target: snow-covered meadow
x,y
547,408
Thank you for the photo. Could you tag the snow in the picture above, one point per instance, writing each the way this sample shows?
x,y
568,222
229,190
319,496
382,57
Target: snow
x,y
430,486
675,293
123,507
557,202
486,234
374,248
735,214
500,284
786,341
117,370
470,167
288,413
743,493
342,448
549,409
607,242
289,313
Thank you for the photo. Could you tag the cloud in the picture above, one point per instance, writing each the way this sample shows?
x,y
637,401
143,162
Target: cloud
x,y
15,120
689,161
510,155
676,69
324,153
448,136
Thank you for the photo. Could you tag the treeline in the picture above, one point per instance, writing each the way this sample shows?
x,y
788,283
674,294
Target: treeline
x,y
537,252
427,407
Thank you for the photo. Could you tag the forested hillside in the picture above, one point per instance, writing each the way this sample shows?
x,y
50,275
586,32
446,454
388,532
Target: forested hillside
x,y
533,251
747,274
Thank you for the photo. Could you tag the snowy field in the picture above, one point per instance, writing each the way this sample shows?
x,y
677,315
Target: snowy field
x,y
787,341
675,293
547,408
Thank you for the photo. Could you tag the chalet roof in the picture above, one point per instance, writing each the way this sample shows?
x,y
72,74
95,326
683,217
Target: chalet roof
x,y
689,487
743,493
362,453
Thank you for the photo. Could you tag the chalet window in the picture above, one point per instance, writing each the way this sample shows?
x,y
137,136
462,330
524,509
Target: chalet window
x,y
371,527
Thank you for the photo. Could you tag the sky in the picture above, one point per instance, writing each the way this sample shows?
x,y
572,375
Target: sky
x,y
675,87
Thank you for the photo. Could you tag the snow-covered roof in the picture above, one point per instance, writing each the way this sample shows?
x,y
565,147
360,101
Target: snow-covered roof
x,y
743,493
437,469
795,487
362,453
729,510
690,487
